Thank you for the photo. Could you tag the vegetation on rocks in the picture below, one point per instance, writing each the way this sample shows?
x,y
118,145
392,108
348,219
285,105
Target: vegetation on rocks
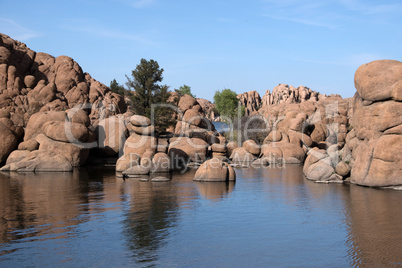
x,y
150,98
227,103
184,89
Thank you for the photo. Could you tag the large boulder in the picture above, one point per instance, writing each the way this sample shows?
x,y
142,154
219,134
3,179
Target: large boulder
x,y
161,163
65,131
252,147
29,145
377,123
242,156
8,142
36,121
183,150
112,135
379,80
76,155
139,144
140,121
215,170
39,161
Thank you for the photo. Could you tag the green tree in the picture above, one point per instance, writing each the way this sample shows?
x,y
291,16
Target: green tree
x,y
116,87
227,103
149,98
184,89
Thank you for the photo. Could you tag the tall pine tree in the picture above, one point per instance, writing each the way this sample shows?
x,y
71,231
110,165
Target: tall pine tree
x,y
148,94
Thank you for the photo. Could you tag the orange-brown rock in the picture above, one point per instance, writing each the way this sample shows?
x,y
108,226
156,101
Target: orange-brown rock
x,y
252,147
183,150
379,80
76,155
377,121
214,170
31,82
8,142
35,123
251,101
112,135
39,161
65,131
242,156
29,145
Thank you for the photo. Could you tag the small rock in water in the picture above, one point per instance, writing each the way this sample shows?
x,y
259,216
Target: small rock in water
x,y
160,179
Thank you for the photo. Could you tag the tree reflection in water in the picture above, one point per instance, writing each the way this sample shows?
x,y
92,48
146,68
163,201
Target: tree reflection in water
x,y
150,212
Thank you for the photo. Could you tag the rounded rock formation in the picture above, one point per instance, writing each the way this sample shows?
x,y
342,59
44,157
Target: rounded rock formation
x,y
214,170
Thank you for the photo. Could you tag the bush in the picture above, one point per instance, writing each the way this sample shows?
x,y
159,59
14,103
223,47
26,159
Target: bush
x,y
248,127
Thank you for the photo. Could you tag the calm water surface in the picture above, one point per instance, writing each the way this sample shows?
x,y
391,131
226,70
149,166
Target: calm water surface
x,y
269,217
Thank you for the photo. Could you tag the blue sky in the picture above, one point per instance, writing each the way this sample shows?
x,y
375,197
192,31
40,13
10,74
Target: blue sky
x,y
215,44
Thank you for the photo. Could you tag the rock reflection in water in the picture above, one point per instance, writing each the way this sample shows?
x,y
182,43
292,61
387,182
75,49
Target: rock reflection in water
x,y
91,217
374,220
215,190
32,205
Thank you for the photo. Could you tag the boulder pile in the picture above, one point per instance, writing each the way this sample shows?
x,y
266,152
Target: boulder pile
x,y
374,146
32,84
209,110
53,141
251,101
283,93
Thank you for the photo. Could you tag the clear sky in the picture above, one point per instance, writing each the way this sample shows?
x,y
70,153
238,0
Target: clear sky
x,y
215,44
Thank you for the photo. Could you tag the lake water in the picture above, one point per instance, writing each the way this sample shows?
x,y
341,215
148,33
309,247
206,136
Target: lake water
x,y
270,217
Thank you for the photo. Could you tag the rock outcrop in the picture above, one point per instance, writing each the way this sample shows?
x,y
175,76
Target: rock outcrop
x,y
251,101
140,147
209,110
52,137
193,134
369,146
376,141
56,103
283,93
31,82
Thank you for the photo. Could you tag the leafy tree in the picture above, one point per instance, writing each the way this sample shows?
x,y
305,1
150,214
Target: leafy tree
x,y
116,87
148,93
184,89
227,103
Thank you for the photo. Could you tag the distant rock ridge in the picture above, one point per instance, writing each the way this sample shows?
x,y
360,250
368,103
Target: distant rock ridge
x,y
283,93
251,101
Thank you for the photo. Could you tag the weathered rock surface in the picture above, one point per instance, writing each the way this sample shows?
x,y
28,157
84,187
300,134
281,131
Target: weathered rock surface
x,y
251,101
8,142
209,109
31,82
252,147
38,161
215,170
51,97
112,134
241,156
183,150
376,143
288,94
191,117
